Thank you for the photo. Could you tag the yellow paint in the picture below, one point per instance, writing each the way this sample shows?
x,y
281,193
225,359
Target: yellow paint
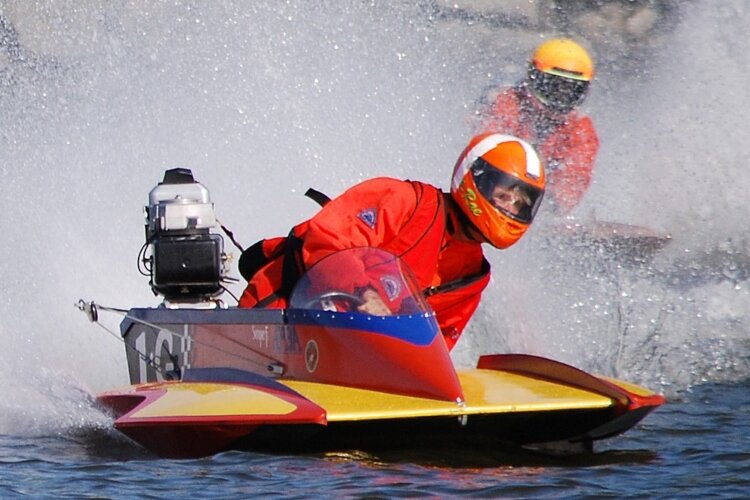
x,y
486,392
186,399
635,389
470,196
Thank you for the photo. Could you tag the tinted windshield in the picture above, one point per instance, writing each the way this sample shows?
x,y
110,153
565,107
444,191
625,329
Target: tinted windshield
x,y
345,279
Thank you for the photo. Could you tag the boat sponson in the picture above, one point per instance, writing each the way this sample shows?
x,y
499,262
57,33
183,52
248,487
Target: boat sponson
x,y
632,403
202,417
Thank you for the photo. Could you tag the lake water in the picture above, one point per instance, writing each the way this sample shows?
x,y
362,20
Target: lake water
x,y
697,446
264,101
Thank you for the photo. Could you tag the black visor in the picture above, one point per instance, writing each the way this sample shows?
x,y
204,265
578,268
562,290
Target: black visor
x,y
558,92
510,195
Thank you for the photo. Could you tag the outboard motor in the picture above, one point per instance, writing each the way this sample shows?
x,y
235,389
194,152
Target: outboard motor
x,y
187,260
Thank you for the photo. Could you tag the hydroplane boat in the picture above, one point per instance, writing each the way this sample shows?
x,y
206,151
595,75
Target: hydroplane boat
x,y
320,375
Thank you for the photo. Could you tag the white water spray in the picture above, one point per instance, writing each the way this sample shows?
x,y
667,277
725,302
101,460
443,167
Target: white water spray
x,y
674,158
264,101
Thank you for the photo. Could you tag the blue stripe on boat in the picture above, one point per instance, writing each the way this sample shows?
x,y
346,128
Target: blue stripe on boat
x,y
418,329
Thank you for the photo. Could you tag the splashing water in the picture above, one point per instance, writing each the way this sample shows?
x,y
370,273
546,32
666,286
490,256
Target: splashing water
x,y
673,158
263,101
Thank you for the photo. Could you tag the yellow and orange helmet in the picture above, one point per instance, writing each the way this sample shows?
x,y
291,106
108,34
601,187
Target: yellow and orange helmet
x,y
499,182
559,74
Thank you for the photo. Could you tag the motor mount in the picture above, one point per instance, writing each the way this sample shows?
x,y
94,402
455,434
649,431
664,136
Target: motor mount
x,y
187,260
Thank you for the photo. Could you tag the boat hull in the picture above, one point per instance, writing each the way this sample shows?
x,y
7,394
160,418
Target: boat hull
x,y
400,354
212,412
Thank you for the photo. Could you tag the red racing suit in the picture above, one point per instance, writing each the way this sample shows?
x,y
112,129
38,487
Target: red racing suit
x,y
567,143
407,218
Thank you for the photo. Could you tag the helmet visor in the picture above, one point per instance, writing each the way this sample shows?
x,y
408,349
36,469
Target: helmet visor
x,y
556,91
508,194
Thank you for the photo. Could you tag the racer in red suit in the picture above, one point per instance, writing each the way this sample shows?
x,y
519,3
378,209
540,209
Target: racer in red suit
x,y
498,184
542,111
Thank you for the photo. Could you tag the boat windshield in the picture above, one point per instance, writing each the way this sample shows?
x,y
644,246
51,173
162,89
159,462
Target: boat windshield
x,y
368,280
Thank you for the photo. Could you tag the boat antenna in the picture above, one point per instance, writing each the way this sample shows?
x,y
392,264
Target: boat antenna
x,y
230,235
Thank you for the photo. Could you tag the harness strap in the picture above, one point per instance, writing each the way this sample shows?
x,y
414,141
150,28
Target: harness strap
x,y
453,285
318,197
267,300
291,270
292,267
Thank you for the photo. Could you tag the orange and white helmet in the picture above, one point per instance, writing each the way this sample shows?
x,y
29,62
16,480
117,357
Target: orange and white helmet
x,y
499,182
559,74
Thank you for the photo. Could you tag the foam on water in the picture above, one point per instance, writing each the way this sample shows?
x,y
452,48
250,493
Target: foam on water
x,y
264,101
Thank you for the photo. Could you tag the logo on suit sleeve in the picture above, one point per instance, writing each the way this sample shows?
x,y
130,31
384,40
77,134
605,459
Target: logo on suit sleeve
x,y
369,216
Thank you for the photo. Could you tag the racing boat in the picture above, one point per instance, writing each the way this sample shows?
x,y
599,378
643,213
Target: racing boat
x,y
622,244
320,375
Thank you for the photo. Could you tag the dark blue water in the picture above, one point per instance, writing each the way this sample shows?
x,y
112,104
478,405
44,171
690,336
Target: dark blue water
x,y
696,446
265,99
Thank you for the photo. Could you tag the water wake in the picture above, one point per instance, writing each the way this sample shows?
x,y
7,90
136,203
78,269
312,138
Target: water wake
x,y
267,100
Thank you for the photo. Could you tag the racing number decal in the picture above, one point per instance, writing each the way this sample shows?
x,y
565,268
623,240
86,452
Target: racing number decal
x,y
153,354
163,361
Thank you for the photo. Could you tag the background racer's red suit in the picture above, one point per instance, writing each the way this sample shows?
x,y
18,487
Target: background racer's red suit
x,y
567,143
407,218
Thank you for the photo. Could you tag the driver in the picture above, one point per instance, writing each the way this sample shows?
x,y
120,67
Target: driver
x,y
497,186
543,109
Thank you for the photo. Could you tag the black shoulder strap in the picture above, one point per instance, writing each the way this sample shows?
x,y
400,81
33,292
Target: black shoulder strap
x,y
293,267
452,285
251,260
291,270
318,197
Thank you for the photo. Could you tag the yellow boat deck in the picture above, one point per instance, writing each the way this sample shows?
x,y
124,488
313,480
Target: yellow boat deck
x,y
486,392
